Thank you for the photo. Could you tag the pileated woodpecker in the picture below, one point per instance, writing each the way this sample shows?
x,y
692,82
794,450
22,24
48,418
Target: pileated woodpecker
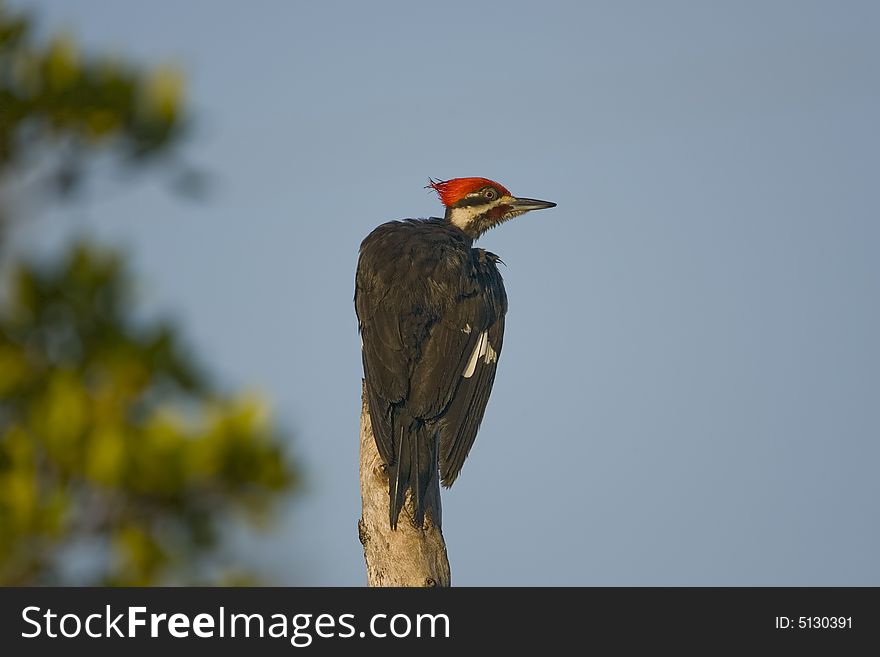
x,y
431,312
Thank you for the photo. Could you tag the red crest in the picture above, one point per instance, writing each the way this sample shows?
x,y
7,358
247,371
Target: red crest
x,y
452,191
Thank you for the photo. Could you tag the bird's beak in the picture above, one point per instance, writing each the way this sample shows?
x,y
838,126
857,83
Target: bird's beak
x,y
527,204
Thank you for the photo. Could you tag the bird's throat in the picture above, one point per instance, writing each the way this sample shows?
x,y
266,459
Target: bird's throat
x,y
476,220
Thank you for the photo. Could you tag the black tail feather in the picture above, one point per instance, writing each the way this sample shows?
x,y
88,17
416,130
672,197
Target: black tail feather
x,y
414,471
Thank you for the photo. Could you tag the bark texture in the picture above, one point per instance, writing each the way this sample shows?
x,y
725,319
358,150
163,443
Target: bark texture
x,y
407,556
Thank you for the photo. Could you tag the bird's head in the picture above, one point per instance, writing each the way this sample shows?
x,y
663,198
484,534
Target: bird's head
x,y
477,204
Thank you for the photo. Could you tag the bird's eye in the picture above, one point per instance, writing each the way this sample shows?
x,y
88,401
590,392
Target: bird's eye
x,y
490,194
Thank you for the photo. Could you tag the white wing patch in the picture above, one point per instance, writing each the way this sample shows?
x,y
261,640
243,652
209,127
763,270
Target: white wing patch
x,y
466,329
491,356
481,350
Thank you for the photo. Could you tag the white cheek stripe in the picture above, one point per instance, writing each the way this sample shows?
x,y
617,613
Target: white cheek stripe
x,y
464,216
481,350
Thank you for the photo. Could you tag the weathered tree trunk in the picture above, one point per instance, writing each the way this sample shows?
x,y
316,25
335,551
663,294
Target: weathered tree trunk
x,y
407,556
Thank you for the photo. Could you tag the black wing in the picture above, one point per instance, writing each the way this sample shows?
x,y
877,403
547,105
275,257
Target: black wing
x,y
431,317
462,418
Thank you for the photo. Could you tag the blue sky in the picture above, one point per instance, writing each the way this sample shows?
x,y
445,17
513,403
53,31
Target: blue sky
x,y
689,392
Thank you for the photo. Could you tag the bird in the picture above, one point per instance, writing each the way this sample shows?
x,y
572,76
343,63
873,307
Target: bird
x,y
431,311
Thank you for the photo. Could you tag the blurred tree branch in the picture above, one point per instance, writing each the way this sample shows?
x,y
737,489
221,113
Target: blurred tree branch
x,y
120,463
59,108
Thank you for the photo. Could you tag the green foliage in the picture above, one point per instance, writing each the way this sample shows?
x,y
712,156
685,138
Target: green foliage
x,y
112,442
107,431
57,93
59,105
